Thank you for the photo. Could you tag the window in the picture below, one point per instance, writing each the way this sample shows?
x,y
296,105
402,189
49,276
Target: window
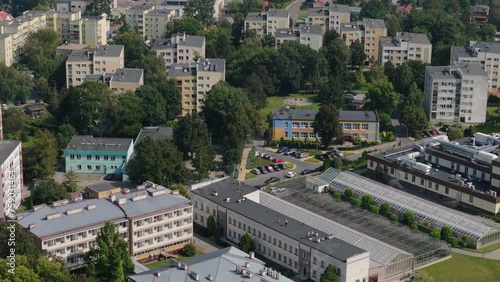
x,y
112,158
97,157
72,157
106,158
355,126
89,167
78,157
422,181
98,167
89,157
447,190
78,167
322,264
314,273
471,199
413,178
364,126
315,261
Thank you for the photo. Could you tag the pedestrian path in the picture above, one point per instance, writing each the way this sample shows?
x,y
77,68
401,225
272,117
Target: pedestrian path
x,y
495,254
243,164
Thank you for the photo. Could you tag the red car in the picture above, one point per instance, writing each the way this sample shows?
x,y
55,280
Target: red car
x,y
278,161
269,168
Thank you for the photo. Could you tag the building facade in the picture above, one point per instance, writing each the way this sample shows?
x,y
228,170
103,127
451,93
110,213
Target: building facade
x,y
456,93
150,22
309,35
11,177
403,47
98,155
194,80
100,60
150,218
330,16
479,14
485,54
180,49
277,237
368,32
267,22
298,124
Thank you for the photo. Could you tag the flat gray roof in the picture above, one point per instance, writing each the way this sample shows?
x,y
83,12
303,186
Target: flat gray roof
x,y
7,147
127,75
212,65
450,72
179,40
276,13
294,229
220,264
90,143
156,133
101,187
100,51
373,23
354,26
297,31
292,114
329,9
410,37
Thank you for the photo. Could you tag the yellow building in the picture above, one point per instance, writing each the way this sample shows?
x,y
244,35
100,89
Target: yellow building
x,y
150,22
330,17
121,80
100,60
195,80
368,32
6,50
298,124
267,22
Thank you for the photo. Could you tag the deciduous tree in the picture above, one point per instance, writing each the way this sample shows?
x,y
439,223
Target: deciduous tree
x,y
99,7
154,103
455,133
382,97
210,226
326,124
246,243
40,158
202,10
189,250
13,122
329,275
131,114
47,192
14,85
187,25
414,118
64,134
89,103
358,55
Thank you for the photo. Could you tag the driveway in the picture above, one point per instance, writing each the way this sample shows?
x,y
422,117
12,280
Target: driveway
x,y
294,9
300,165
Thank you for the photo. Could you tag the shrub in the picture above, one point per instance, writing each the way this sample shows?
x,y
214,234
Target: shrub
x,y
384,208
336,195
348,194
356,202
446,233
453,241
427,224
189,250
408,217
436,234
374,209
414,226
394,217
465,241
366,201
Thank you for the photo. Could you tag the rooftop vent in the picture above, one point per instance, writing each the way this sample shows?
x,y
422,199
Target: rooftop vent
x,y
53,216
31,226
73,211
139,197
60,203
35,208
215,194
227,199
210,277
122,201
195,276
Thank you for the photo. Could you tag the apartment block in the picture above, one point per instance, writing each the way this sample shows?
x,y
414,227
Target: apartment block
x,y
121,80
150,22
151,218
180,49
99,60
368,32
11,177
479,14
309,35
194,80
298,124
78,5
98,155
267,22
485,54
330,16
276,236
403,47
7,49
456,93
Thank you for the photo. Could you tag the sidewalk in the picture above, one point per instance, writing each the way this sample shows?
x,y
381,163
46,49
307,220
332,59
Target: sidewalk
x,y
242,169
205,244
491,255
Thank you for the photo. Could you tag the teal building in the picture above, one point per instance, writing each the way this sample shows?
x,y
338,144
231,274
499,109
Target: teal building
x,y
98,155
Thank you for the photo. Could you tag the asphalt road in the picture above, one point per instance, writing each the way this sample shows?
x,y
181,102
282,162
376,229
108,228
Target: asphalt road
x,y
294,9
300,165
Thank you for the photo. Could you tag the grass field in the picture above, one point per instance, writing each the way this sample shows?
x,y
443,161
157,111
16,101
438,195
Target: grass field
x,y
302,14
465,268
492,111
312,160
276,102
157,264
484,250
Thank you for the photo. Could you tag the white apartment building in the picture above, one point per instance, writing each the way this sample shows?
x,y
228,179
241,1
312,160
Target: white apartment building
x,y
267,22
309,35
403,47
179,49
150,22
11,177
277,237
330,16
78,5
151,218
485,54
456,93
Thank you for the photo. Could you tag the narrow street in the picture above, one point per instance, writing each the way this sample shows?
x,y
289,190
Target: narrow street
x,y
294,9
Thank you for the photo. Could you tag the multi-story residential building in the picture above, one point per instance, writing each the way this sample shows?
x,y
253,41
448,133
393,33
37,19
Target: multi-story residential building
x,y
180,49
150,22
227,260
7,56
298,124
267,22
485,54
99,60
309,35
276,236
11,177
78,5
195,80
151,219
479,14
135,16
368,32
403,47
69,47
99,155
329,17
456,93
121,80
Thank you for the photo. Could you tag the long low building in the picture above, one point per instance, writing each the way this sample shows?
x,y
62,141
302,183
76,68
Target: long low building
x,y
277,237
151,218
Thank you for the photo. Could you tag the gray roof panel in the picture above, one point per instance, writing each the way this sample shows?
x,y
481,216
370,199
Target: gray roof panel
x,y
90,143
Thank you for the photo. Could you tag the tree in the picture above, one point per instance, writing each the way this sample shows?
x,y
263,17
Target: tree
x,y
348,194
356,202
408,217
25,243
389,70
153,105
204,155
179,187
109,259
331,92
403,78
187,25
158,161
14,85
190,132
382,97
487,32
337,55
413,98
374,209
99,7
47,192
381,175
33,269
366,201
326,124
218,42
246,243
202,10
70,179
131,114
414,118
358,55
329,275
384,209
268,40
329,36
436,234
446,233
453,241
256,92
13,121
89,103
189,250
211,226
41,157
63,136
455,133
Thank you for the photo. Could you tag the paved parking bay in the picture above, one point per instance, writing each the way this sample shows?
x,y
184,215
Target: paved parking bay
x,y
300,165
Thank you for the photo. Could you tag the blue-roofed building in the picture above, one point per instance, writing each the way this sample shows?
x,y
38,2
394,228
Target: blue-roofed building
x,y
225,265
151,218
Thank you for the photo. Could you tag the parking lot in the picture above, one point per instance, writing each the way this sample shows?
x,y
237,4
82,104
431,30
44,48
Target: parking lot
x,y
300,165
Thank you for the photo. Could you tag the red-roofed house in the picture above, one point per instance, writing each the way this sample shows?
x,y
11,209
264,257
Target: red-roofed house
x,y
6,16
404,10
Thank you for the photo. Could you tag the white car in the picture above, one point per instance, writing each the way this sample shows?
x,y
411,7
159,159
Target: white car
x,y
257,153
291,174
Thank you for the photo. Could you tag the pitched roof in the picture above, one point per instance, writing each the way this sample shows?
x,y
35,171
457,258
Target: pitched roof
x,y
4,16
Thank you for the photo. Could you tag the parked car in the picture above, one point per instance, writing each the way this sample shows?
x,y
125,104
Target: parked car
x,y
318,169
322,156
285,151
282,166
304,155
305,171
291,152
257,153
272,158
290,174
297,154
262,170
267,156
278,161
255,171
269,168
337,153
280,150
272,180
263,155
276,167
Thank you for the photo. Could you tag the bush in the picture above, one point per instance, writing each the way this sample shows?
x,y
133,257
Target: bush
x,y
250,175
289,165
408,217
384,209
436,234
348,194
189,250
336,195
356,202
465,241
453,241
446,233
427,224
414,226
366,201
374,209
394,217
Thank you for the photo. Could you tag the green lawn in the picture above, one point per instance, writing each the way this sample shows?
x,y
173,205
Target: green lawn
x,y
464,268
157,264
312,160
253,161
303,14
485,250
276,102
492,111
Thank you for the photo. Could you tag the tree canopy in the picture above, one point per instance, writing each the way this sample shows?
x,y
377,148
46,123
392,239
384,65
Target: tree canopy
x,y
326,124
329,275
